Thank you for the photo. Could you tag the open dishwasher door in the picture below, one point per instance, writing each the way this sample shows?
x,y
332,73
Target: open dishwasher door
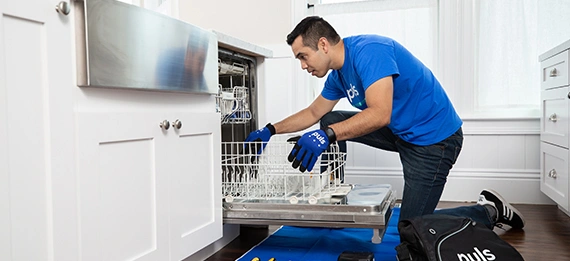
x,y
267,190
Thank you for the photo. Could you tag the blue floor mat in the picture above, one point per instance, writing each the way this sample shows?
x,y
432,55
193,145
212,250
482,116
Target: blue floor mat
x,y
319,244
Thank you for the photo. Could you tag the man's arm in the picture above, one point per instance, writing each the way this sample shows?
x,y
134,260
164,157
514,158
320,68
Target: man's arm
x,y
379,102
306,117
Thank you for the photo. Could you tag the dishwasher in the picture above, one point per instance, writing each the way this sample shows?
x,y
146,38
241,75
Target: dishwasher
x,y
265,189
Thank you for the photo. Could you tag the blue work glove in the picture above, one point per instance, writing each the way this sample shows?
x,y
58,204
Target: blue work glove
x,y
309,147
262,135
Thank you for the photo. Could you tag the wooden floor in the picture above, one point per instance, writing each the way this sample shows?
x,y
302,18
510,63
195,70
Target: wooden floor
x,y
546,235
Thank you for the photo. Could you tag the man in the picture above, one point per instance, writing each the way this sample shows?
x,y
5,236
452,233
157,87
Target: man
x,y
403,108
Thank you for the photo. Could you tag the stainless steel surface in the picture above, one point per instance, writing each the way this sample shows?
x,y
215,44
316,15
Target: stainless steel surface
x,y
125,46
62,8
177,124
239,131
364,206
164,125
377,235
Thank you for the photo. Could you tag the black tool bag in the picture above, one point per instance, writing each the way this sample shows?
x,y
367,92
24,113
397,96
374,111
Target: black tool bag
x,y
439,237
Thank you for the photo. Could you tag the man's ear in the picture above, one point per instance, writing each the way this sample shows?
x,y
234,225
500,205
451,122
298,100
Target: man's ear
x,y
324,43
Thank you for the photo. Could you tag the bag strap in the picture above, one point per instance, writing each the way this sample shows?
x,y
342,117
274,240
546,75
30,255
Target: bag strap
x,y
402,252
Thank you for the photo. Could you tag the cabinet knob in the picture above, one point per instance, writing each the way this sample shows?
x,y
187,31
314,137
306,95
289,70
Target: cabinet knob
x,y
62,8
553,117
553,72
164,125
177,124
552,173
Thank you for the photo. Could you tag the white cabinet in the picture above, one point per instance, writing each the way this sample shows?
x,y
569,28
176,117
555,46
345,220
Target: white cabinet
x,y
37,186
555,125
89,174
148,192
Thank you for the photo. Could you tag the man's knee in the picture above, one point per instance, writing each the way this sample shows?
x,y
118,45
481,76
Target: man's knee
x,y
331,117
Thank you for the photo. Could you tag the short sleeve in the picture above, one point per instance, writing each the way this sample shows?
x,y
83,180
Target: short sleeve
x,y
333,88
375,61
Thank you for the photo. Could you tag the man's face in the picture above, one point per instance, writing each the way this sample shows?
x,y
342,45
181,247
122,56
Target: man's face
x,y
315,62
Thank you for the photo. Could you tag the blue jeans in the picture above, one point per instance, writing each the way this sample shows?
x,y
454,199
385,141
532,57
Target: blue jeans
x,y
425,169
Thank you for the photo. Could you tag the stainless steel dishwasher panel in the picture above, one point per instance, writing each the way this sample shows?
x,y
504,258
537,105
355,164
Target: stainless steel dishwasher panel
x,y
363,206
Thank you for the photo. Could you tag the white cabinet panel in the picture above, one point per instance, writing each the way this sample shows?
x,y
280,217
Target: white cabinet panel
x,y
554,173
554,120
34,49
122,186
25,131
195,184
148,193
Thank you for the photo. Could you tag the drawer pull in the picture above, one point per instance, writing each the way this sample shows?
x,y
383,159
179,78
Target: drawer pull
x,y
552,173
553,72
553,117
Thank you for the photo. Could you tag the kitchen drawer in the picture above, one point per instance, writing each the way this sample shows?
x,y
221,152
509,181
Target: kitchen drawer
x,y
554,71
554,120
554,173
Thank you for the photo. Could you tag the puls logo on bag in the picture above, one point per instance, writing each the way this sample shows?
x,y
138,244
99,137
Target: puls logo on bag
x,y
478,255
317,136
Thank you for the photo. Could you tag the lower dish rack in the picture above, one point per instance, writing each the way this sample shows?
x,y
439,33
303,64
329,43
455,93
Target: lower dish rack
x,y
266,190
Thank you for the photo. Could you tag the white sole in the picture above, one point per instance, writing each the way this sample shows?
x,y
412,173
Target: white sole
x,y
505,202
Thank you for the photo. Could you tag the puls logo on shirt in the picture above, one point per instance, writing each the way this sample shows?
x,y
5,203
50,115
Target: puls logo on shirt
x,y
352,92
477,255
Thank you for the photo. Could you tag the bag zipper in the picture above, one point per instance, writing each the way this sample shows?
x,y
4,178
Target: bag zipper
x,y
448,236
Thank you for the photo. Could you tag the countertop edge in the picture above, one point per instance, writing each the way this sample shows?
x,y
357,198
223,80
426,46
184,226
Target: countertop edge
x,y
556,50
239,45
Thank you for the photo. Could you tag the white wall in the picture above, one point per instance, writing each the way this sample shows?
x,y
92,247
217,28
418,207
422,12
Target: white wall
x,y
256,21
553,20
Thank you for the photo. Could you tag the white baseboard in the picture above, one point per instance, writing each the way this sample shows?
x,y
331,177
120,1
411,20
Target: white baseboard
x,y
464,185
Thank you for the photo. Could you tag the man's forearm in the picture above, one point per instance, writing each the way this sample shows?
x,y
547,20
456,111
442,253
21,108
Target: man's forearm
x,y
360,124
296,122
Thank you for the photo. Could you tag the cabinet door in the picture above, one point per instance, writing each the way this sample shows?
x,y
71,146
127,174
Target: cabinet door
x,y
554,120
122,168
36,157
195,183
554,173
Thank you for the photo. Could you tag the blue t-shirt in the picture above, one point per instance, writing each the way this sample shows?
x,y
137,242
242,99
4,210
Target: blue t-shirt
x,y
422,114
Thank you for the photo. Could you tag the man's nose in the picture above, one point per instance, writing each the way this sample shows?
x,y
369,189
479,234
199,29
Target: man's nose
x,y
304,65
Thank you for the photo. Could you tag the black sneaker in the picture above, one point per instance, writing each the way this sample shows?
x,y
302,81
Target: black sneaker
x,y
506,214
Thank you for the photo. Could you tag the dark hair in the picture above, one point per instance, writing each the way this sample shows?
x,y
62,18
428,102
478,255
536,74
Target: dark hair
x,y
312,28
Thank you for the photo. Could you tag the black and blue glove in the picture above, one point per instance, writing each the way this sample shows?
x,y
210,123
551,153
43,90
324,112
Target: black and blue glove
x,y
262,135
309,147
